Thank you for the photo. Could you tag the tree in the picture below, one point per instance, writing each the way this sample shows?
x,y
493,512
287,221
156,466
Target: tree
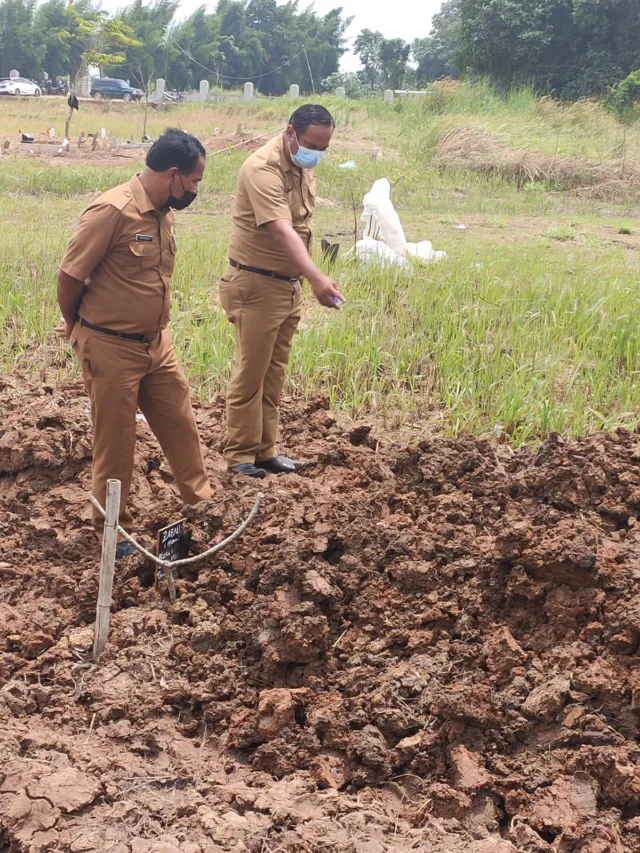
x,y
367,47
350,82
99,37
384,60
394,56
624,97
269,43
56,26
437,54
149,24
324,40
570,48
19,48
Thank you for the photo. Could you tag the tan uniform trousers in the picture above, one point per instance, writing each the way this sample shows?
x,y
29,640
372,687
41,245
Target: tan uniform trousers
x,y
265,313
121,376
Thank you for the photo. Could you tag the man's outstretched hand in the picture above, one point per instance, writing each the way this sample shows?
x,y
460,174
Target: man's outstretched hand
x,y
326,291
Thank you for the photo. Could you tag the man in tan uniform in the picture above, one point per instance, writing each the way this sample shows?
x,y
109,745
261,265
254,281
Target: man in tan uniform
x,y
114,293
260,292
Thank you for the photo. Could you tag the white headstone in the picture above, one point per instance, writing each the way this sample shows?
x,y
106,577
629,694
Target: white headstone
x,y
248,91
204,90
388,96
294,91
341,92
13,74
160,84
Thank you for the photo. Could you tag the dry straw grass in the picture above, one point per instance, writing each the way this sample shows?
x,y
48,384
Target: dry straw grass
x,y
475,149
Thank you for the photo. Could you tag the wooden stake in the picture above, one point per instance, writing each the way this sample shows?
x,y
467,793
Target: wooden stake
x,y
171,584
107,567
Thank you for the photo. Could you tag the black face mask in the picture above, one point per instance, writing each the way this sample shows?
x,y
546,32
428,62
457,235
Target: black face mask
x,y
184,201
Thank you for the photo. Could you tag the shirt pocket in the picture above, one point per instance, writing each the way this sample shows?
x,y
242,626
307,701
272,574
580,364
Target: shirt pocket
x,y
293,189
145,255
169,256
310,190
312,183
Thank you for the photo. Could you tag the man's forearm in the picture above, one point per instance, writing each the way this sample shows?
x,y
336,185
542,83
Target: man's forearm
x,y
325,288
298,253
70,292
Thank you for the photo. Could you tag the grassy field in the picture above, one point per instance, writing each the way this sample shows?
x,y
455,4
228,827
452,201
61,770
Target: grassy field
x,y
529,326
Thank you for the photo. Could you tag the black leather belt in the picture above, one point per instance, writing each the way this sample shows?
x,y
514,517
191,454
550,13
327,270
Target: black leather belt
x,y
268,273
141,339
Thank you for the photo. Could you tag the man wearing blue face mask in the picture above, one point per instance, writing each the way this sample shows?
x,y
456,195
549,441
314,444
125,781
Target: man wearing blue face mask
x,y
260,292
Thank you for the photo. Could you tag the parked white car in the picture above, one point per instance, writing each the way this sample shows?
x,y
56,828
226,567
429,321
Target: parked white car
x,y
19,86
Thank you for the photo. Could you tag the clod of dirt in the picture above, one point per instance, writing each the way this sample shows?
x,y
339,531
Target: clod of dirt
x,y
277,710
67,790
468,773
547,700
503,653
567,804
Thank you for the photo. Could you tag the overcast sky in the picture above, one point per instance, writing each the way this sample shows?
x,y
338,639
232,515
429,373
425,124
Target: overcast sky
x,y
407,19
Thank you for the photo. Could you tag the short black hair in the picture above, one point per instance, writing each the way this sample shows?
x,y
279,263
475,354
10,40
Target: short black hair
x,y
310,114
175,148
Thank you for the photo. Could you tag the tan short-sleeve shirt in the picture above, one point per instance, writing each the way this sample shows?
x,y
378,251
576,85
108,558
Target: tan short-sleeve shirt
x,y
270,187
124,250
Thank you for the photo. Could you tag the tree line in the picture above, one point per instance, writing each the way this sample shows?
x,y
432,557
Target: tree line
x,y
567,48
273,45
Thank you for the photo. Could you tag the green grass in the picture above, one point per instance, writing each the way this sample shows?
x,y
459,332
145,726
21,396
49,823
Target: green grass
x,y
529,326
519,119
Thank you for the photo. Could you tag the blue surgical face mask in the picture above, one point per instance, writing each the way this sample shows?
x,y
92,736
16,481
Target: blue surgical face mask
x,y
306,158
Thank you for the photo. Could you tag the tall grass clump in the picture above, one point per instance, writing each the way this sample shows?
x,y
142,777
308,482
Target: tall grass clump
x,y
517,118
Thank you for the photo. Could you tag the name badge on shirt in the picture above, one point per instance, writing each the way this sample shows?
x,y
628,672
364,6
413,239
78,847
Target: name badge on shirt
x,y
144,238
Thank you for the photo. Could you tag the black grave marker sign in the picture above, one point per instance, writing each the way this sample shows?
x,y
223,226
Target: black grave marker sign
x,y
172,541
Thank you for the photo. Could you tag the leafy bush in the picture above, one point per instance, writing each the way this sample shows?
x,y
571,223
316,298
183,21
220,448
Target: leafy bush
x,y
624,96
352,84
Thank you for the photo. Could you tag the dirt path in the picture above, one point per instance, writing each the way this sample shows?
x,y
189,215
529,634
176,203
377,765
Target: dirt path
x,y
432,649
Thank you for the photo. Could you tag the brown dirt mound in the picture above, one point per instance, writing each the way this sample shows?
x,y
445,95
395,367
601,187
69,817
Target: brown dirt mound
x,y
237,141
430,649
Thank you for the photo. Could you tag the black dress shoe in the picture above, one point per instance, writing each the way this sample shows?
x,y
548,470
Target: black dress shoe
x,y
124,549
280,465
248,469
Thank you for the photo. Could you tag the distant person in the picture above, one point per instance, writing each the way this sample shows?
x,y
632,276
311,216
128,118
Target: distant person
x,y
261,292
114,293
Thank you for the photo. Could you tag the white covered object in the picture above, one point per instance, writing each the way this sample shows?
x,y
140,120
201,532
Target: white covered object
x,y
384,239
381,222
368,250
424,251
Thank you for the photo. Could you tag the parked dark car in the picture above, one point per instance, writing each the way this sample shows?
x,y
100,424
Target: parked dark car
x,y
109,87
